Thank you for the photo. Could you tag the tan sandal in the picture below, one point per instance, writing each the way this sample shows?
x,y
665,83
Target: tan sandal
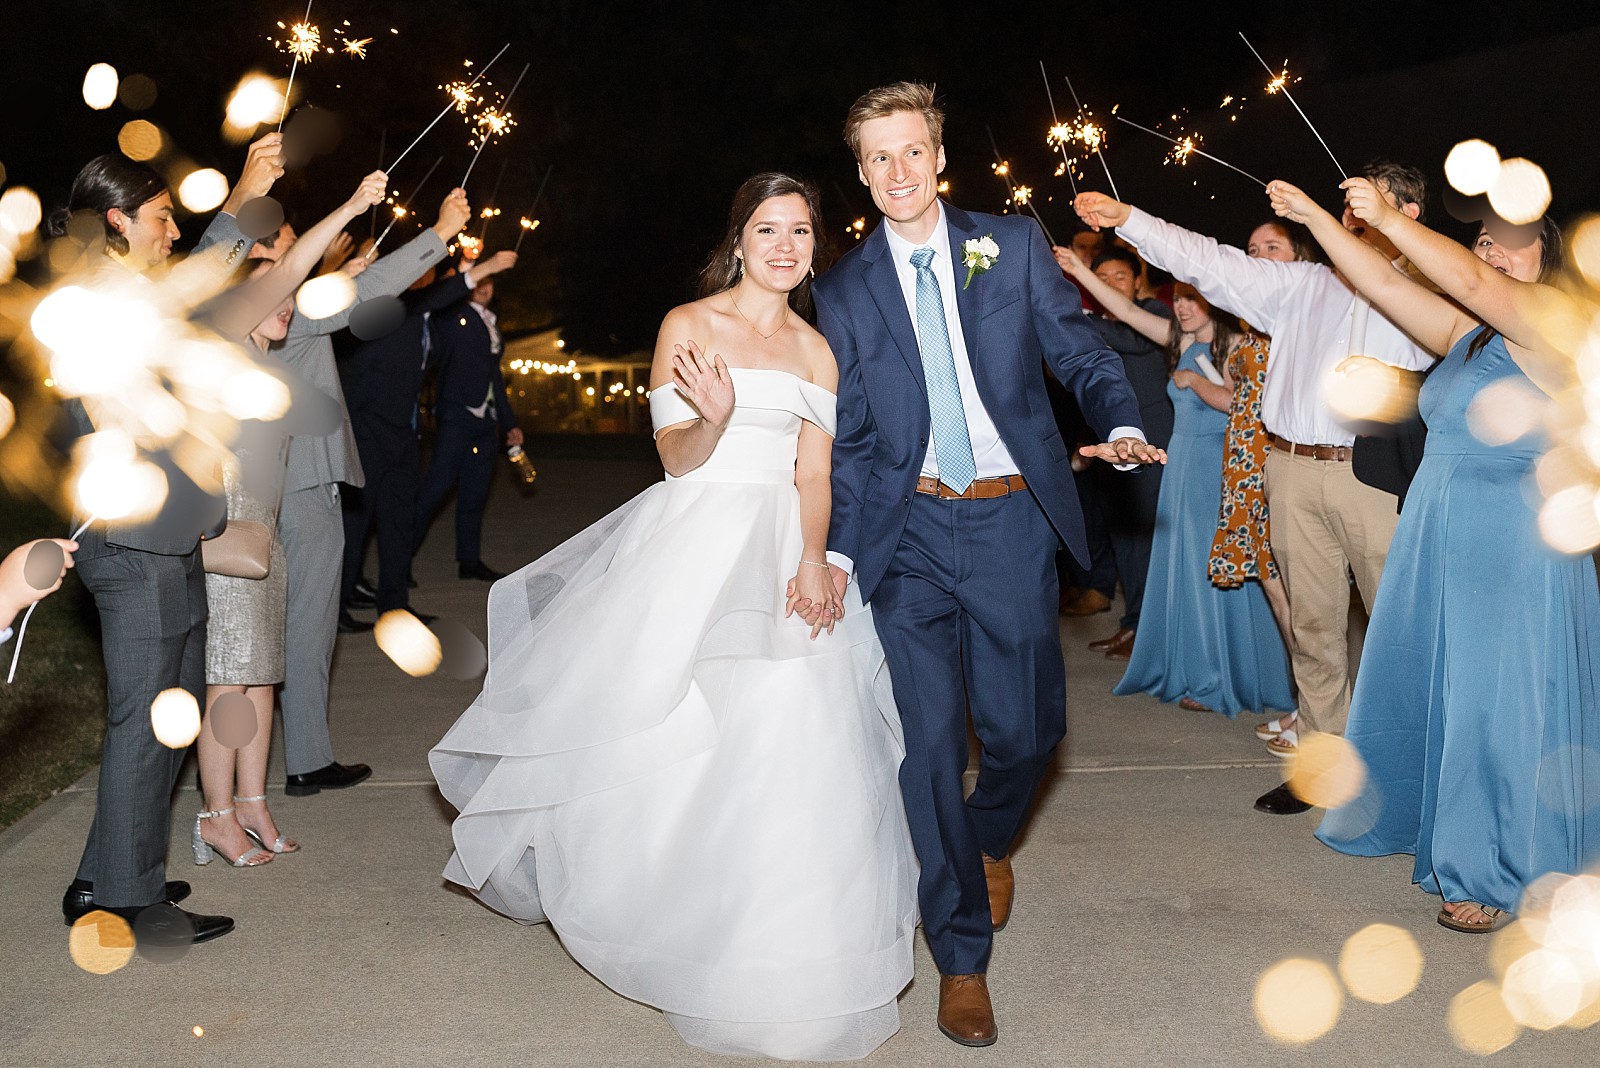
x,y
1191,705
1490,913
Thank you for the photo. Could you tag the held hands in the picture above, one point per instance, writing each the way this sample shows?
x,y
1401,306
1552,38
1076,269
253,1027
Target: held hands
x,y
705,383
1125,450
26,578
337,253
1290,202
454,214
1097,210
1067,259
263,165
373,188
503,260
815,596
1367,204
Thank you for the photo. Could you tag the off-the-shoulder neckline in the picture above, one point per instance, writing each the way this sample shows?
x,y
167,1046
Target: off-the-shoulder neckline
x,y
768,371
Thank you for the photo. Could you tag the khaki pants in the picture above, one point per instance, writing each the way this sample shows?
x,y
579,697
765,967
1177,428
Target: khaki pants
x,y
1323,521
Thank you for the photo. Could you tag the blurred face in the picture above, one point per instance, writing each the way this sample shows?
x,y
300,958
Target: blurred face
x,y
1520,263
1088,245
149,232
777,243
1119,276
1268,242
1190,309
483,292
275,327
901,167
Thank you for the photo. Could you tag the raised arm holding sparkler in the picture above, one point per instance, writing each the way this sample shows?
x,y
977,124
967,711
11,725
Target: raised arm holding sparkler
x,y
1498,285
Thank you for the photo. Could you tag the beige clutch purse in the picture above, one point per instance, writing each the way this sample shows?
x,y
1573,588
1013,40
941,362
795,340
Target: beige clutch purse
x,y
242,550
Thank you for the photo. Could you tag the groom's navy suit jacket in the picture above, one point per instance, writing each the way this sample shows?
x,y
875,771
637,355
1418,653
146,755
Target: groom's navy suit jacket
x,y
1017,316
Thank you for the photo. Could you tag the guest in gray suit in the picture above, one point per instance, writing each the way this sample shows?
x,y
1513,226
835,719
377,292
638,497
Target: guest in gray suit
x,y
145,576
310,520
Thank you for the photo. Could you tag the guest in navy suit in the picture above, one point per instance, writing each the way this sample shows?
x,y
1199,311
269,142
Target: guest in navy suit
x,y
951,491
472,416
382,379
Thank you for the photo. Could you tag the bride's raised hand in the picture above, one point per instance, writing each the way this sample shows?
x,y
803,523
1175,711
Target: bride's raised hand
x,y
705,382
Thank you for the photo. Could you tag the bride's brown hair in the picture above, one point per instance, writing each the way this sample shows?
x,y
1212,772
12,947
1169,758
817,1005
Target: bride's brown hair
x,y
724,268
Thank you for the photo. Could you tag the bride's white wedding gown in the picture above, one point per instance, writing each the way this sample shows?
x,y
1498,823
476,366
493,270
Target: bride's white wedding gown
x,y
700,799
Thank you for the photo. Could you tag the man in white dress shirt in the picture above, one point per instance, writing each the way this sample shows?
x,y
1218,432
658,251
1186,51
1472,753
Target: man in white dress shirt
x,y
1325,523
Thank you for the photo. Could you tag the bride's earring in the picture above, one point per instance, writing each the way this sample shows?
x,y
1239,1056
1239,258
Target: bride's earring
x,y
812,273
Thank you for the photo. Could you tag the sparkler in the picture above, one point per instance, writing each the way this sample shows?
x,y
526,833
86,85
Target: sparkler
x,y
492,123
527,225
1280,84
357,48
303,42
1188,146
1092,135
1002,170
402,210
1059,133
454,104
489,210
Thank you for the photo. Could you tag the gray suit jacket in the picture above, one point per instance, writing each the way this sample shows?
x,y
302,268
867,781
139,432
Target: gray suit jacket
x,y
330,458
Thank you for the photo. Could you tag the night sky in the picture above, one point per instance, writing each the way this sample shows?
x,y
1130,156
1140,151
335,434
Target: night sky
x,y
652,113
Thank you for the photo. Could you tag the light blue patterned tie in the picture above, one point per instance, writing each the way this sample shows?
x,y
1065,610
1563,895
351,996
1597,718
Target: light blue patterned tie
x,y
952,445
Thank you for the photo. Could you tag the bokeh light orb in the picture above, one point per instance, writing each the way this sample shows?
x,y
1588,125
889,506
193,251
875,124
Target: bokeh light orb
x,y
257,99
20,210
1521,191
8,415
254,394
1298,1001
407,641
175,718
1479,1022
1506,411
1472,166
203,190
1381,963
326,295
140,139
1567,520
1543,989
100,86
1585,245
1326,771
100,942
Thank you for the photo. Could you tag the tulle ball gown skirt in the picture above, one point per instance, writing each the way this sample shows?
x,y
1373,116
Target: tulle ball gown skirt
x,y
699,799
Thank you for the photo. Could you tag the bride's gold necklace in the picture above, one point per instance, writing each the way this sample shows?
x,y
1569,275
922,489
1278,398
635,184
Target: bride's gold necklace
x,y
764,337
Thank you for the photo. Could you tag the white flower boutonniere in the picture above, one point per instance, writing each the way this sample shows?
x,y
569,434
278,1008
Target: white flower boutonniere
x,y
979,254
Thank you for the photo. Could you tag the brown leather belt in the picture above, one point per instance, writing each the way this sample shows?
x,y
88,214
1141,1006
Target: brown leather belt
x,y
1315,452
982,489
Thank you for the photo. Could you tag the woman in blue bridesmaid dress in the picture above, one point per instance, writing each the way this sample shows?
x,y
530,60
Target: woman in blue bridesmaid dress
x,y
1477,706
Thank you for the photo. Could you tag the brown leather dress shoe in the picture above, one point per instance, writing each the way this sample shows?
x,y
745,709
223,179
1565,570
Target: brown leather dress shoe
x,y
1122,634
1087,603
1002,887
1123,650
965,1014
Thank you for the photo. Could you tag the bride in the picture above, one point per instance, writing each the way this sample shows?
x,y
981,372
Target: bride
x,y
684,756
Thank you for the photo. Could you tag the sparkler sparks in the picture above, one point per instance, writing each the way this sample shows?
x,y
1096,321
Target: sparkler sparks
x,y
357,48
462,96
1280,84
453,105
1189,145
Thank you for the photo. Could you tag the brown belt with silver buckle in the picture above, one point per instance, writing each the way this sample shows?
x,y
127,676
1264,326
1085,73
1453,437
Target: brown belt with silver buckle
x,y
1315,452
982,489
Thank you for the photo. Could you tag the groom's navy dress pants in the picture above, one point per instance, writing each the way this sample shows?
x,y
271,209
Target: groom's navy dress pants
x,y
967,616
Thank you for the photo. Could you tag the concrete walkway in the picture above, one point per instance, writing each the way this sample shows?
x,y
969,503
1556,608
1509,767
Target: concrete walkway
x,y
1150,898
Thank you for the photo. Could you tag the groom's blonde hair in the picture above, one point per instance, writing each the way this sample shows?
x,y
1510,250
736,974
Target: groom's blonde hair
x,y
889,100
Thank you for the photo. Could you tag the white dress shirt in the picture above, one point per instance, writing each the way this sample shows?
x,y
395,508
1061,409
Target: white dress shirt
x,y
1312,314
989,452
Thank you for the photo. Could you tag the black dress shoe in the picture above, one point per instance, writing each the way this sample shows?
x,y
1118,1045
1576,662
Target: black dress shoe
x,y
348,624
78,901
1280,801
476,569
366,588
176,926
362,596
333,777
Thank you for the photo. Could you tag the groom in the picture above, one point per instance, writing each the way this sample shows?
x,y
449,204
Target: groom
x,y
951,491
